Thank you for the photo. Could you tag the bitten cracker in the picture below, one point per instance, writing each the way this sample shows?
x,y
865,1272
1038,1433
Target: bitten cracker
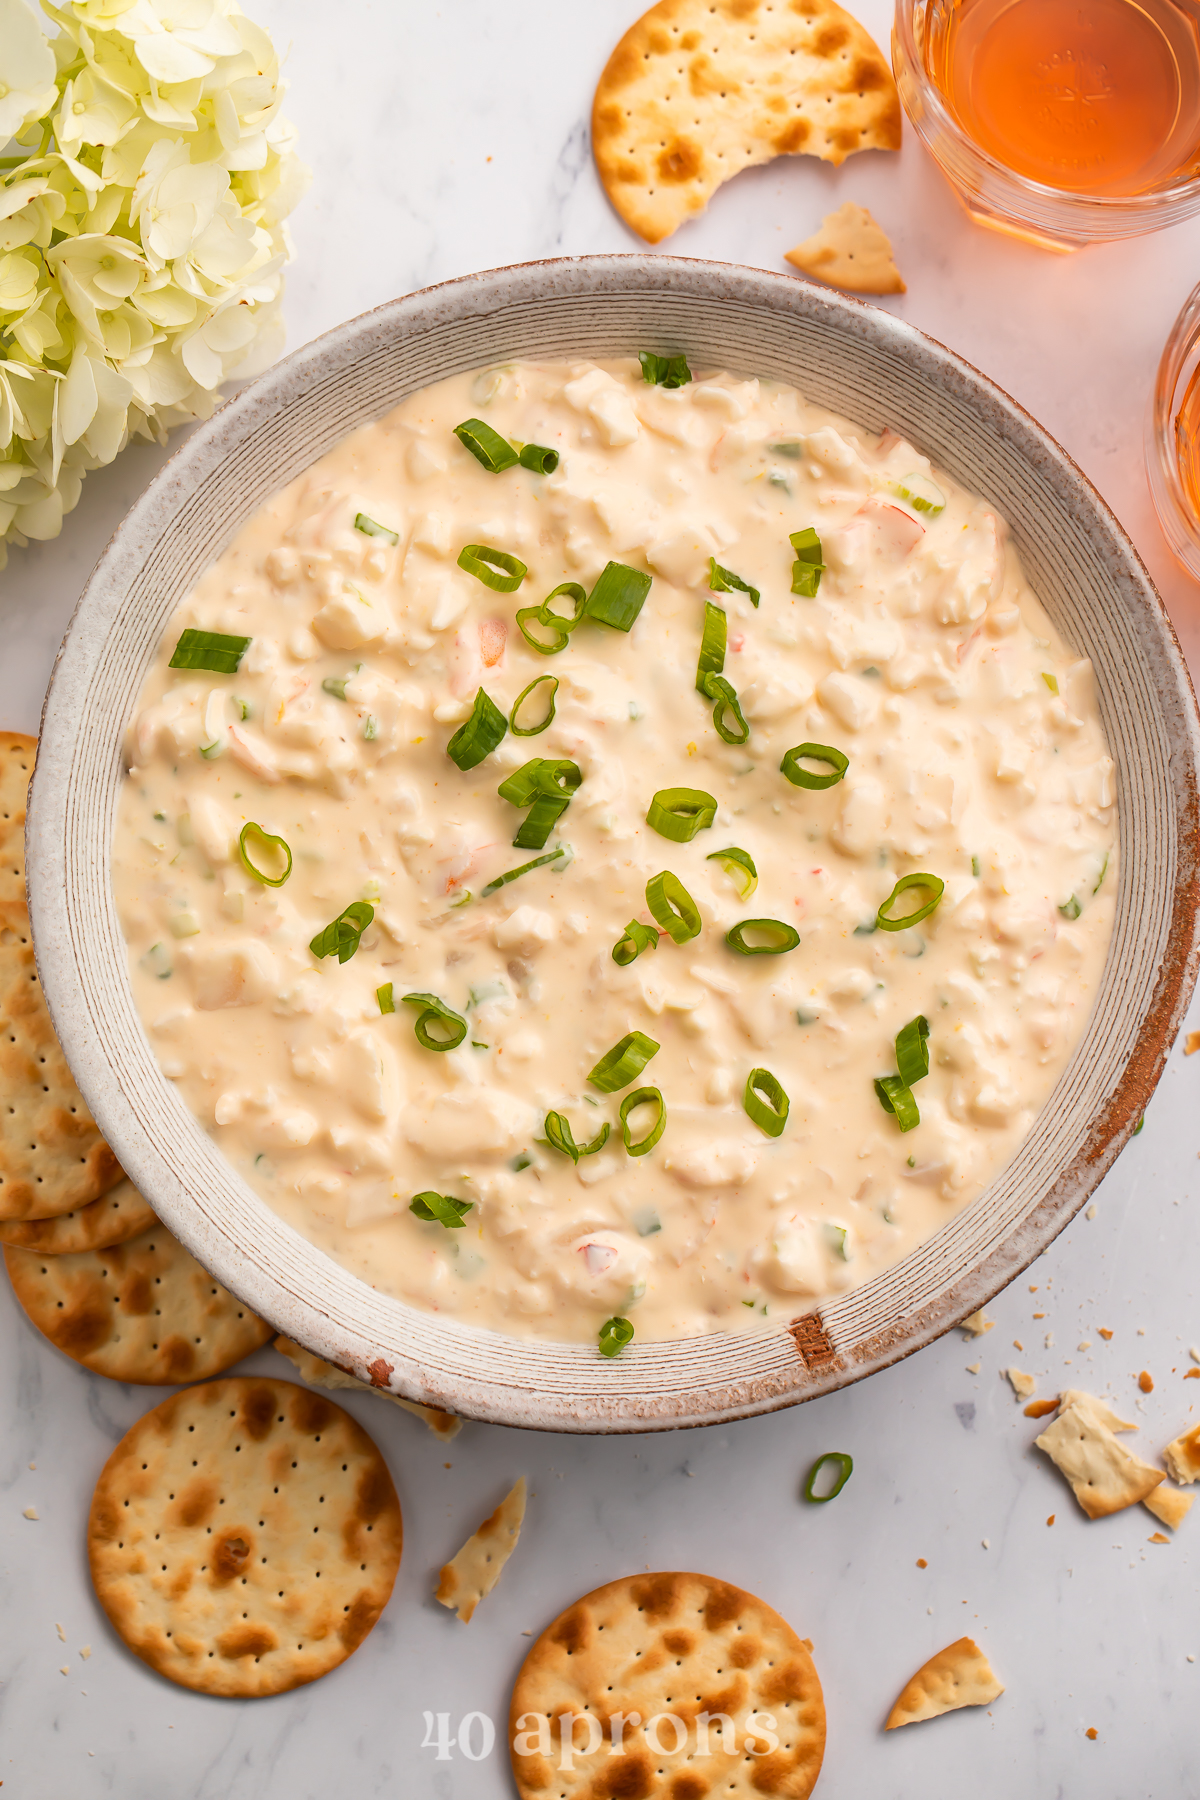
x,y
144,1311
1105,1477
850,251
319,1373
244,1537
17,755
470,1576
959,1675
116,1217
52,1158
630,1659
698,90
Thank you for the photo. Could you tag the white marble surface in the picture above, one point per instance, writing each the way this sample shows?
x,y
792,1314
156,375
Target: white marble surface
x,y
451,138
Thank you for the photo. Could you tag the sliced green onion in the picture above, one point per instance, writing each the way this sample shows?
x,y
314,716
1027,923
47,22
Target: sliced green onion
x,y
541,775
1102,874
538,862
495,568
479,735
614,1335
623,1063
739,866
486,446
370,728
618,596
552,621
977,868
679,813
273,843
1071,909
385,995
540,821
793,449
647,1096
805,778
1137,1127
632,942
921,494
560,1136
780,937
912,1051
673,907
932,885
808,566
664,371
369,528
532,730
212,650
723,581
336,684
712,644
436,1012
539,458
765,1102
440,1209
845,1467
341,937
725,695
895,1096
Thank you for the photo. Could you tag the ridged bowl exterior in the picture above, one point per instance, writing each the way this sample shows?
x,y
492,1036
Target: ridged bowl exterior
x,y
844,355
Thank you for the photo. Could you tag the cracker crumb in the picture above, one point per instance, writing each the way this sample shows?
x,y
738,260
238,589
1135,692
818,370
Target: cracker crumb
x,y
976,1323
1146,1382
65,1669
1191,1375
921,1563
1084,1344
1191,1043
1017,1344
34,1465
986,1542
1156,1537
86,1652
1194,1353
1091,1212
1032,1289
31,1512
1091,1730
1039,1315
1190,1657
1105,1334
974,1368
1037,1409
62,1636
1022,1384
1051,1519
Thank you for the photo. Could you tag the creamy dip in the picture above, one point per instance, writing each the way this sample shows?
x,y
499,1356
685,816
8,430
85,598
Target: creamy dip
x,y
972,751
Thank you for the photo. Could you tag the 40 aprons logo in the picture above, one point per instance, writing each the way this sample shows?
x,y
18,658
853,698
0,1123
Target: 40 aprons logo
x,y
475,1738
582,1735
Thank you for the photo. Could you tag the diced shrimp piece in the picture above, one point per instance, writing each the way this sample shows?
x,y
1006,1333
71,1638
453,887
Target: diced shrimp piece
x,y
492,636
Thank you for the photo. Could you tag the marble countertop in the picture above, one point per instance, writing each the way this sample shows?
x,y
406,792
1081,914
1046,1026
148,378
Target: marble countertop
x,y
452,138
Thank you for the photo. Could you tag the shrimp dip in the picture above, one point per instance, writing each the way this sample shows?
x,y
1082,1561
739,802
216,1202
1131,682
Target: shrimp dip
x,y
615,850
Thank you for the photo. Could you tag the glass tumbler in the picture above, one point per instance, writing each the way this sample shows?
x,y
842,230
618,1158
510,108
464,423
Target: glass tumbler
x,y
1173,437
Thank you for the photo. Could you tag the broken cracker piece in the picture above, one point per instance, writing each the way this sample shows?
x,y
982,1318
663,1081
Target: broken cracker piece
x,y
318,1373
959,1675
850,251
1182,1456
1192,1043
1022,1384
1169,1505
976,1323
1105,1477
1156,1537
471,1575
1038,1409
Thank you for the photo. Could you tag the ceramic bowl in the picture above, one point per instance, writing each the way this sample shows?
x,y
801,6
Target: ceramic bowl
x,y
849,357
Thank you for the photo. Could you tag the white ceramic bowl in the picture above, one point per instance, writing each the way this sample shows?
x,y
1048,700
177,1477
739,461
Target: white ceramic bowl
x,y
845,356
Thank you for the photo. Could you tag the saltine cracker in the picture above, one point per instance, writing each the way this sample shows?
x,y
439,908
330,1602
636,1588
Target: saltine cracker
x,y
17,756
116,1217
959,1675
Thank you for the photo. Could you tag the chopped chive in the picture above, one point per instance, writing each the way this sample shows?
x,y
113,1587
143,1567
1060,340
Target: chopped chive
x,y
560,1136
618,596
630,945
1102,874
646,1096
336,684
792,448
386,998
623,1063
932,884
272,843
679,813
845,1467
369,528
436,1012
739,866
539,458
538,862
212,650
479,735
615,1333
1071,909
341,938
551,621
723,581
780,937
533,730
712,644
440,1209
912,1050
673,907
545,785
765,1102
486,446
664,371
808,566
717,688
495,568
895,1096
976,867
807,778
539,822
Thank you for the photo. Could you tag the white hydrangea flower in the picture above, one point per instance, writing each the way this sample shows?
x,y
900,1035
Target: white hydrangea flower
x,y
142,234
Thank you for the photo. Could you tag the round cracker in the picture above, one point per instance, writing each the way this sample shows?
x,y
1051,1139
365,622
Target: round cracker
x,y
144,1311
676,1644
698,90
17,754
116,1217
52,1157
244,1537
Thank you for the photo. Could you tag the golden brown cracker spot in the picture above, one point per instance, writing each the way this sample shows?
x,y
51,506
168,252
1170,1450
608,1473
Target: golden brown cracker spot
x,y
681,160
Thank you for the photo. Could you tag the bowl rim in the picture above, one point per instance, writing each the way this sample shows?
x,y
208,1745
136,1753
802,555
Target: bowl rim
x,y
820,1365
